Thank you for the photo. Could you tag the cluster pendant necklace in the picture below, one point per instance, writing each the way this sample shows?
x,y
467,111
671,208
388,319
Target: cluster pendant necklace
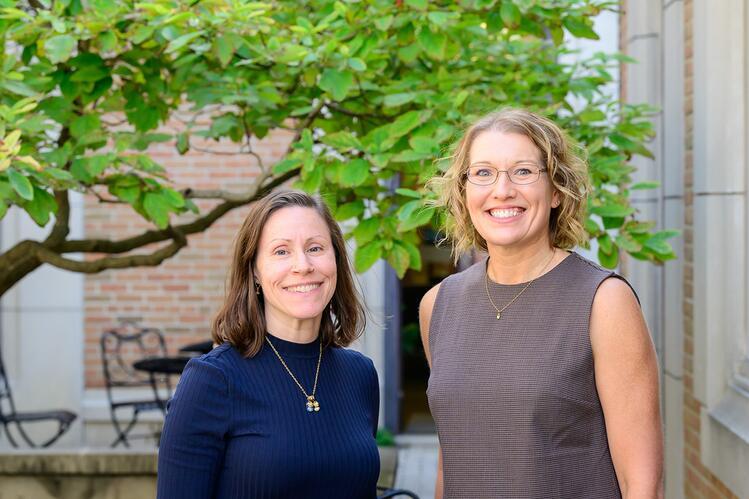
x,y
488,295
312,404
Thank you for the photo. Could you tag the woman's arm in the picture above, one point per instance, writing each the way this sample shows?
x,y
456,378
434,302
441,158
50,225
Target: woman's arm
x,y
191,449
425,316
626,371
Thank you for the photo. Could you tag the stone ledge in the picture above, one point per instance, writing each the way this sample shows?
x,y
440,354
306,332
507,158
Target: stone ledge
x,y
119,463
79,462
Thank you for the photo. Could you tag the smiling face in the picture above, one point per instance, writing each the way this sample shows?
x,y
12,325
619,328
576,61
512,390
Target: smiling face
x,y
508,215
296,268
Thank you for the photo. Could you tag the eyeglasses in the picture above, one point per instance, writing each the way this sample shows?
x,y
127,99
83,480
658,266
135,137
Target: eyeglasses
x,y
522,174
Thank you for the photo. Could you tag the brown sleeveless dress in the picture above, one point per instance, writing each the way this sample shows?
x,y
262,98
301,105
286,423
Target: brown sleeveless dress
x,y
515,399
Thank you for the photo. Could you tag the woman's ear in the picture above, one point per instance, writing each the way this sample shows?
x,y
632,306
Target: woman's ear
x,y
556,199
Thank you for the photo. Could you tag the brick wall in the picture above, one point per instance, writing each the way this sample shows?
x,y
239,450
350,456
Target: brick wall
x,y
181,295
699,481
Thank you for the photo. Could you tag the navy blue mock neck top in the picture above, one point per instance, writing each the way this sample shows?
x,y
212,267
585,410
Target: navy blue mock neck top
x,y
239,428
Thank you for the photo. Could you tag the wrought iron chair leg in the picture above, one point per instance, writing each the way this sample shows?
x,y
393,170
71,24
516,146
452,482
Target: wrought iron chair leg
x,y
10,437
60,431
26,438
122,434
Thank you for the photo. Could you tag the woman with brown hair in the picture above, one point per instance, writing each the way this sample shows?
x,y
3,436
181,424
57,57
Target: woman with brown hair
x,y
279,408
544,379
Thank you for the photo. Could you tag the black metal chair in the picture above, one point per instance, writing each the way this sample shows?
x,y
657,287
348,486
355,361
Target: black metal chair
x,y
119,349
197,348
9,416
383,493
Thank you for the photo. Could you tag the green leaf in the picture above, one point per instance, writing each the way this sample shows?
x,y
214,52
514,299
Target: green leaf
x,y
21,184
639,227
157,209
126,192
40,208
418,4
438,18
592,115
3,209
580,27
409,193
354,173
349,210
95,165
85,125
357,64
645,185
414,214
414,255
173,198
409,53
59,48
90,73
336,83
286,165
107,41
394,100
434,44
142,33
510,14
312,177
79,170
342,141
292,54
183,142
366,256
409,156
612,210
610,261
399,259
605,243
657,242
223,49
366,230
625,242
183,40
408,121
383,23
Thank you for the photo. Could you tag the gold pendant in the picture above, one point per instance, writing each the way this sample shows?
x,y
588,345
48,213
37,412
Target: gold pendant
x,y
499,315
312,404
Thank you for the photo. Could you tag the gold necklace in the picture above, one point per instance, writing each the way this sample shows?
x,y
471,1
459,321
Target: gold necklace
x,y
312,404
488,295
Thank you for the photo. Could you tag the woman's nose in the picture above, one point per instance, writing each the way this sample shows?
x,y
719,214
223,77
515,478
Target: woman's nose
x,y
503,187
302,264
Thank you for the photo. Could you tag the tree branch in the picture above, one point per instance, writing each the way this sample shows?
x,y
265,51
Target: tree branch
x,y
155,236
46,255
61,229
191,193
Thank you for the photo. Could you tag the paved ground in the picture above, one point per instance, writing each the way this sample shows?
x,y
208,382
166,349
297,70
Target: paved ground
x,y
417,464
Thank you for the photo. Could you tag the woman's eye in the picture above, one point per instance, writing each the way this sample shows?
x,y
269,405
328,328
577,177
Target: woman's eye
x,y
522,171
280,252
315,249
483,172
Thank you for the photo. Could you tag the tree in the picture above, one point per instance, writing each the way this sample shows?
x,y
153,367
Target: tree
x,y
373,91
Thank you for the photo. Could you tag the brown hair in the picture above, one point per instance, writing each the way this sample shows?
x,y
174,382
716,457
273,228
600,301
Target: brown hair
x,y
241,320
567,170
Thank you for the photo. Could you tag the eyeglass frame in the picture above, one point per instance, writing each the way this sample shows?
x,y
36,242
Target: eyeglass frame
x,y
499,172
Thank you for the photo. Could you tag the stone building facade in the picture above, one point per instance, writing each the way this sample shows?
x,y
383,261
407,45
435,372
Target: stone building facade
x,y
693,66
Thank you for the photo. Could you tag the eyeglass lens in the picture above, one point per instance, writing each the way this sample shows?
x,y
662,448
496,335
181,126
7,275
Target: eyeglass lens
x,y
519,174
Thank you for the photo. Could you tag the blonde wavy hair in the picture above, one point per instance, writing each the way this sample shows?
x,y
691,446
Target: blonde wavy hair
x,y
565,162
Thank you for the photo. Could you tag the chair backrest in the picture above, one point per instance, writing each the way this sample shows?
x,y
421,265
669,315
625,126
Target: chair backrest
x,y
7,407
120,348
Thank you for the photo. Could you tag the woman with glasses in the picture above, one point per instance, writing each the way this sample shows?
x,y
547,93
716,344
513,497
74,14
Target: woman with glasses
x,y
544,379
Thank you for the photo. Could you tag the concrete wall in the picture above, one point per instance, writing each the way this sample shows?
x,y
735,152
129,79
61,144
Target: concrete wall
x,y
694,66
